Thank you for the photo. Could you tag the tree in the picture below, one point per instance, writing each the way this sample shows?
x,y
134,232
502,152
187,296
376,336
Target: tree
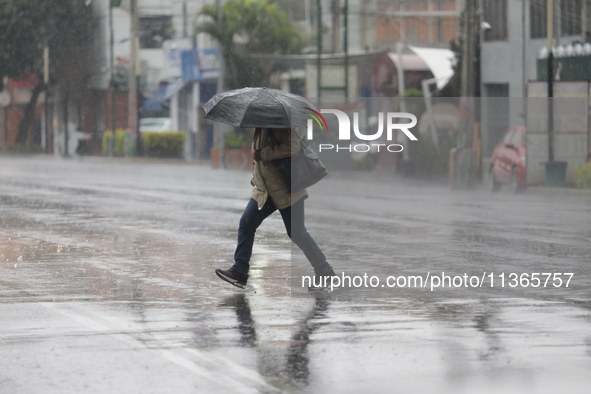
x,y
248,28
26,27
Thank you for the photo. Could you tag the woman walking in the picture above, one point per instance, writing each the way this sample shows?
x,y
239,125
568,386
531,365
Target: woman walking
x,y
271,193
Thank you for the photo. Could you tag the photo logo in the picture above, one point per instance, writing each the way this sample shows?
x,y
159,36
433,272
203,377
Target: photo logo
x,y
391,123
317,117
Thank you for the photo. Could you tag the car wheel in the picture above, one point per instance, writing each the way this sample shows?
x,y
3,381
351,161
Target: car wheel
x,y
516,188
493,185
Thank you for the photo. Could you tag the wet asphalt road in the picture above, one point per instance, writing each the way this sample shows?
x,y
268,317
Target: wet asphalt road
x,y
107,285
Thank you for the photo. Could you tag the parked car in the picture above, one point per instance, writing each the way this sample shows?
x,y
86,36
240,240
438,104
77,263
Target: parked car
x,y
156,124
508,162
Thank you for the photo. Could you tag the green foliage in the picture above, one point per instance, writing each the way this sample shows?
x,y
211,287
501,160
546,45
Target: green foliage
x,y
232,140
169,145
412,92
428,160
156,144
261,27
583,176
237,140
27,26
119,141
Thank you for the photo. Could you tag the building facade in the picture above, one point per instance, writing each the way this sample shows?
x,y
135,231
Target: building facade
x,y
513,33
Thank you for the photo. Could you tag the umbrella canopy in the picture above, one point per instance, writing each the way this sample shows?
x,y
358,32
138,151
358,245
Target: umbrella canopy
x,y
257,107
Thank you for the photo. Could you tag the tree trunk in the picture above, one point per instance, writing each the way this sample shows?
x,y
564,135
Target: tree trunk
x,y
26,126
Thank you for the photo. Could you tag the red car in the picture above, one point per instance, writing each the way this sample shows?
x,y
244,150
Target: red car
x,y
507,165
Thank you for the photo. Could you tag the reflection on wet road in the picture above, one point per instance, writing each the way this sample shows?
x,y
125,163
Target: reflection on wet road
x,y
107,285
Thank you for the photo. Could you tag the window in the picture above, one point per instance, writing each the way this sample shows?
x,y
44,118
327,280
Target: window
x,y
571,17
515,138
508,137
495,14
537,18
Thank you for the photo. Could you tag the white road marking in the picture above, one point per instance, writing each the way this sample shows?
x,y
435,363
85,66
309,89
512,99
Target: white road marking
x,y
216,377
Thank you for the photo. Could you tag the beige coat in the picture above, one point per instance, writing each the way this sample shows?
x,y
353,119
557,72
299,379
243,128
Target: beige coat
x,y
266,179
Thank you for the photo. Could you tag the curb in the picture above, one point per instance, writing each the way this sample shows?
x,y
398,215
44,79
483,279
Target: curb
x,y
106,159
557,190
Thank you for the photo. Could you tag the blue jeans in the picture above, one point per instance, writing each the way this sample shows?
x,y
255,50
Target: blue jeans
x,y
293,219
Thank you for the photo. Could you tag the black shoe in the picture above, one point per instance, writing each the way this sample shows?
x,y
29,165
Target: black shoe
x,y
233,277
322,278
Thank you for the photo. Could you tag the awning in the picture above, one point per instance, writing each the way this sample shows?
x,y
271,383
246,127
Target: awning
x,y
410,62
154,103
440,62
172,89
164,93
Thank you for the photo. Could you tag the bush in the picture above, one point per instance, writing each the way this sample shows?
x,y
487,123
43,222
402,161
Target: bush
x,y
583,176
119,138
237,140
411,92
167,145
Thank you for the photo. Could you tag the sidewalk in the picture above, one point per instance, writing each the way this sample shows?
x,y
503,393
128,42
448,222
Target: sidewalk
x,y
107,159
558,190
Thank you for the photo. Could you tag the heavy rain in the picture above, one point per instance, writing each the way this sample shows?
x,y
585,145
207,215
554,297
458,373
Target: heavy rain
x,y
446,160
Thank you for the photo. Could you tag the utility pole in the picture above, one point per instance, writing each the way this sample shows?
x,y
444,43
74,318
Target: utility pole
x,y
112,80
550,33
465,143
7,90
217,157
319,49
45,101
346,47
336,25
132,123
185,34
400,70
468,37
66,121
